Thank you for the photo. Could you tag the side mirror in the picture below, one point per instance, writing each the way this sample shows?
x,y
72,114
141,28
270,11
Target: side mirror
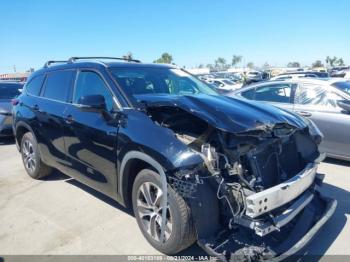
x,y
93,102
344,104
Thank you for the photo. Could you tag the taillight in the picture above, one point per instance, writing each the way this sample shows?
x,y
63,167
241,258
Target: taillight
x,y
14,102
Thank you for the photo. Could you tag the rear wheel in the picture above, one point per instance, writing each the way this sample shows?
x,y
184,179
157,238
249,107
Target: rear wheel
x,y
147,197
31,157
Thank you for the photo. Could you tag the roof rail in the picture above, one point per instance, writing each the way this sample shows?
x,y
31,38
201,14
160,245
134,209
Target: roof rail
x,y
48,63
73,59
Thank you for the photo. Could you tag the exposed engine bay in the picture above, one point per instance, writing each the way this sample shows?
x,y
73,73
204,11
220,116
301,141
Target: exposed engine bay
x,y
257,191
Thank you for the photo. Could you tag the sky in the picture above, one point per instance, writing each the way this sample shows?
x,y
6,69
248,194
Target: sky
x,y
194,31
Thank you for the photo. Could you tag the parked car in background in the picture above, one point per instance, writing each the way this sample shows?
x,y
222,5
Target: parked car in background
x,y
238,177
8,91
293,76
320,100
339,71
316,73
254,76
224,84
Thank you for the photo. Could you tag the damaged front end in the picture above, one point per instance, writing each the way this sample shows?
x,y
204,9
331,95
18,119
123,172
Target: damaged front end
x,y
256,196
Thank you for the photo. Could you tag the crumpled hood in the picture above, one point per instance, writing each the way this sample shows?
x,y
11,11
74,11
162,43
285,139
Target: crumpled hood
x,y
229,114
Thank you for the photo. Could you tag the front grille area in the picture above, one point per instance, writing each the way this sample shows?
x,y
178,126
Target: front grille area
x,y
276,163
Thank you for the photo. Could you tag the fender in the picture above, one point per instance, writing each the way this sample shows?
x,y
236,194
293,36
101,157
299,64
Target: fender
x,y
22,124
142,156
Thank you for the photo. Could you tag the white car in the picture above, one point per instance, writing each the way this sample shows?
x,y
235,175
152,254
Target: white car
x,y
223,84
293,76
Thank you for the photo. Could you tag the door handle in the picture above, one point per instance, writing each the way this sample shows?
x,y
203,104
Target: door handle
x,y
303,113
69,119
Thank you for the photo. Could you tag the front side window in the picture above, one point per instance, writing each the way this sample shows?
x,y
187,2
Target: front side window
x,y
152,80
280,93
313,94
90,83
9,91
34,86
58,85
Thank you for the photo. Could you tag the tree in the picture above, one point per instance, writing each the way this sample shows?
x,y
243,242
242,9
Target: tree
x,y
236,59
128,56
220,64
293,64
210,66
201,66
341,62
250,65
317,63
335,61
331,61
166,58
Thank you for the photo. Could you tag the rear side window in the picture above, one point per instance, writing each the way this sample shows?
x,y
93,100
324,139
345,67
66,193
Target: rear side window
x,y
58,85
34,86
313,94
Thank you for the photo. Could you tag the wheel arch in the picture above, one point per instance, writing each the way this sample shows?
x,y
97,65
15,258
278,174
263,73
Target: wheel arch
x,y
20,130
127,176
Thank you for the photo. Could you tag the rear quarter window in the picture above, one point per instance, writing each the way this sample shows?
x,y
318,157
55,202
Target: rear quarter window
x,y
33,87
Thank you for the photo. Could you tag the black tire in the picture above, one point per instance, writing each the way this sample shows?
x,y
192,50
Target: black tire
x,y
38,169
183,232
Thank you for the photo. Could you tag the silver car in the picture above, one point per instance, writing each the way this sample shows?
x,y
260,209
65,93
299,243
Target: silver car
x,y
8,91
320,100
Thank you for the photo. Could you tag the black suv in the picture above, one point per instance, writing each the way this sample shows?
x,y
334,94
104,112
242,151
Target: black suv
x,y
238,177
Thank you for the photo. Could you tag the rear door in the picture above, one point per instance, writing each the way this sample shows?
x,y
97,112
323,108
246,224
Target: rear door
x,y
320,105
90,138
49,110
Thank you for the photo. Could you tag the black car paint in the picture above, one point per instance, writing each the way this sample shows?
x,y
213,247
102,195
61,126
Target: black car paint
x,y
93,147
91,150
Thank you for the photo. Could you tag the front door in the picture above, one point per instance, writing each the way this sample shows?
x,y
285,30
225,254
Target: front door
x,y
89,137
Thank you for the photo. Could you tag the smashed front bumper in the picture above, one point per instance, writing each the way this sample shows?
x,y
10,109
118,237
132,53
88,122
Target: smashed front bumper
x,y
295,211
235,245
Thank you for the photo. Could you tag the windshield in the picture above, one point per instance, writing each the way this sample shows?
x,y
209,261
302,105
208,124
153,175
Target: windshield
x,y
344,86
9,91
152,80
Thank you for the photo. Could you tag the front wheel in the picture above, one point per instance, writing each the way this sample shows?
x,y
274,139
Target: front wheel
x,y
147,197
31,157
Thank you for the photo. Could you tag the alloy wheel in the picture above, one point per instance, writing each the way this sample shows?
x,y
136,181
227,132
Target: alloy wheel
x,y
29,156
149,199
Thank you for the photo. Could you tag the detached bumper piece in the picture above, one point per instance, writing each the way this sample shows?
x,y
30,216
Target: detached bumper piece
x,y
294,232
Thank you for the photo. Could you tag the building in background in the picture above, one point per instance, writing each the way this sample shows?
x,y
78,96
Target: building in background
x,y
16,76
